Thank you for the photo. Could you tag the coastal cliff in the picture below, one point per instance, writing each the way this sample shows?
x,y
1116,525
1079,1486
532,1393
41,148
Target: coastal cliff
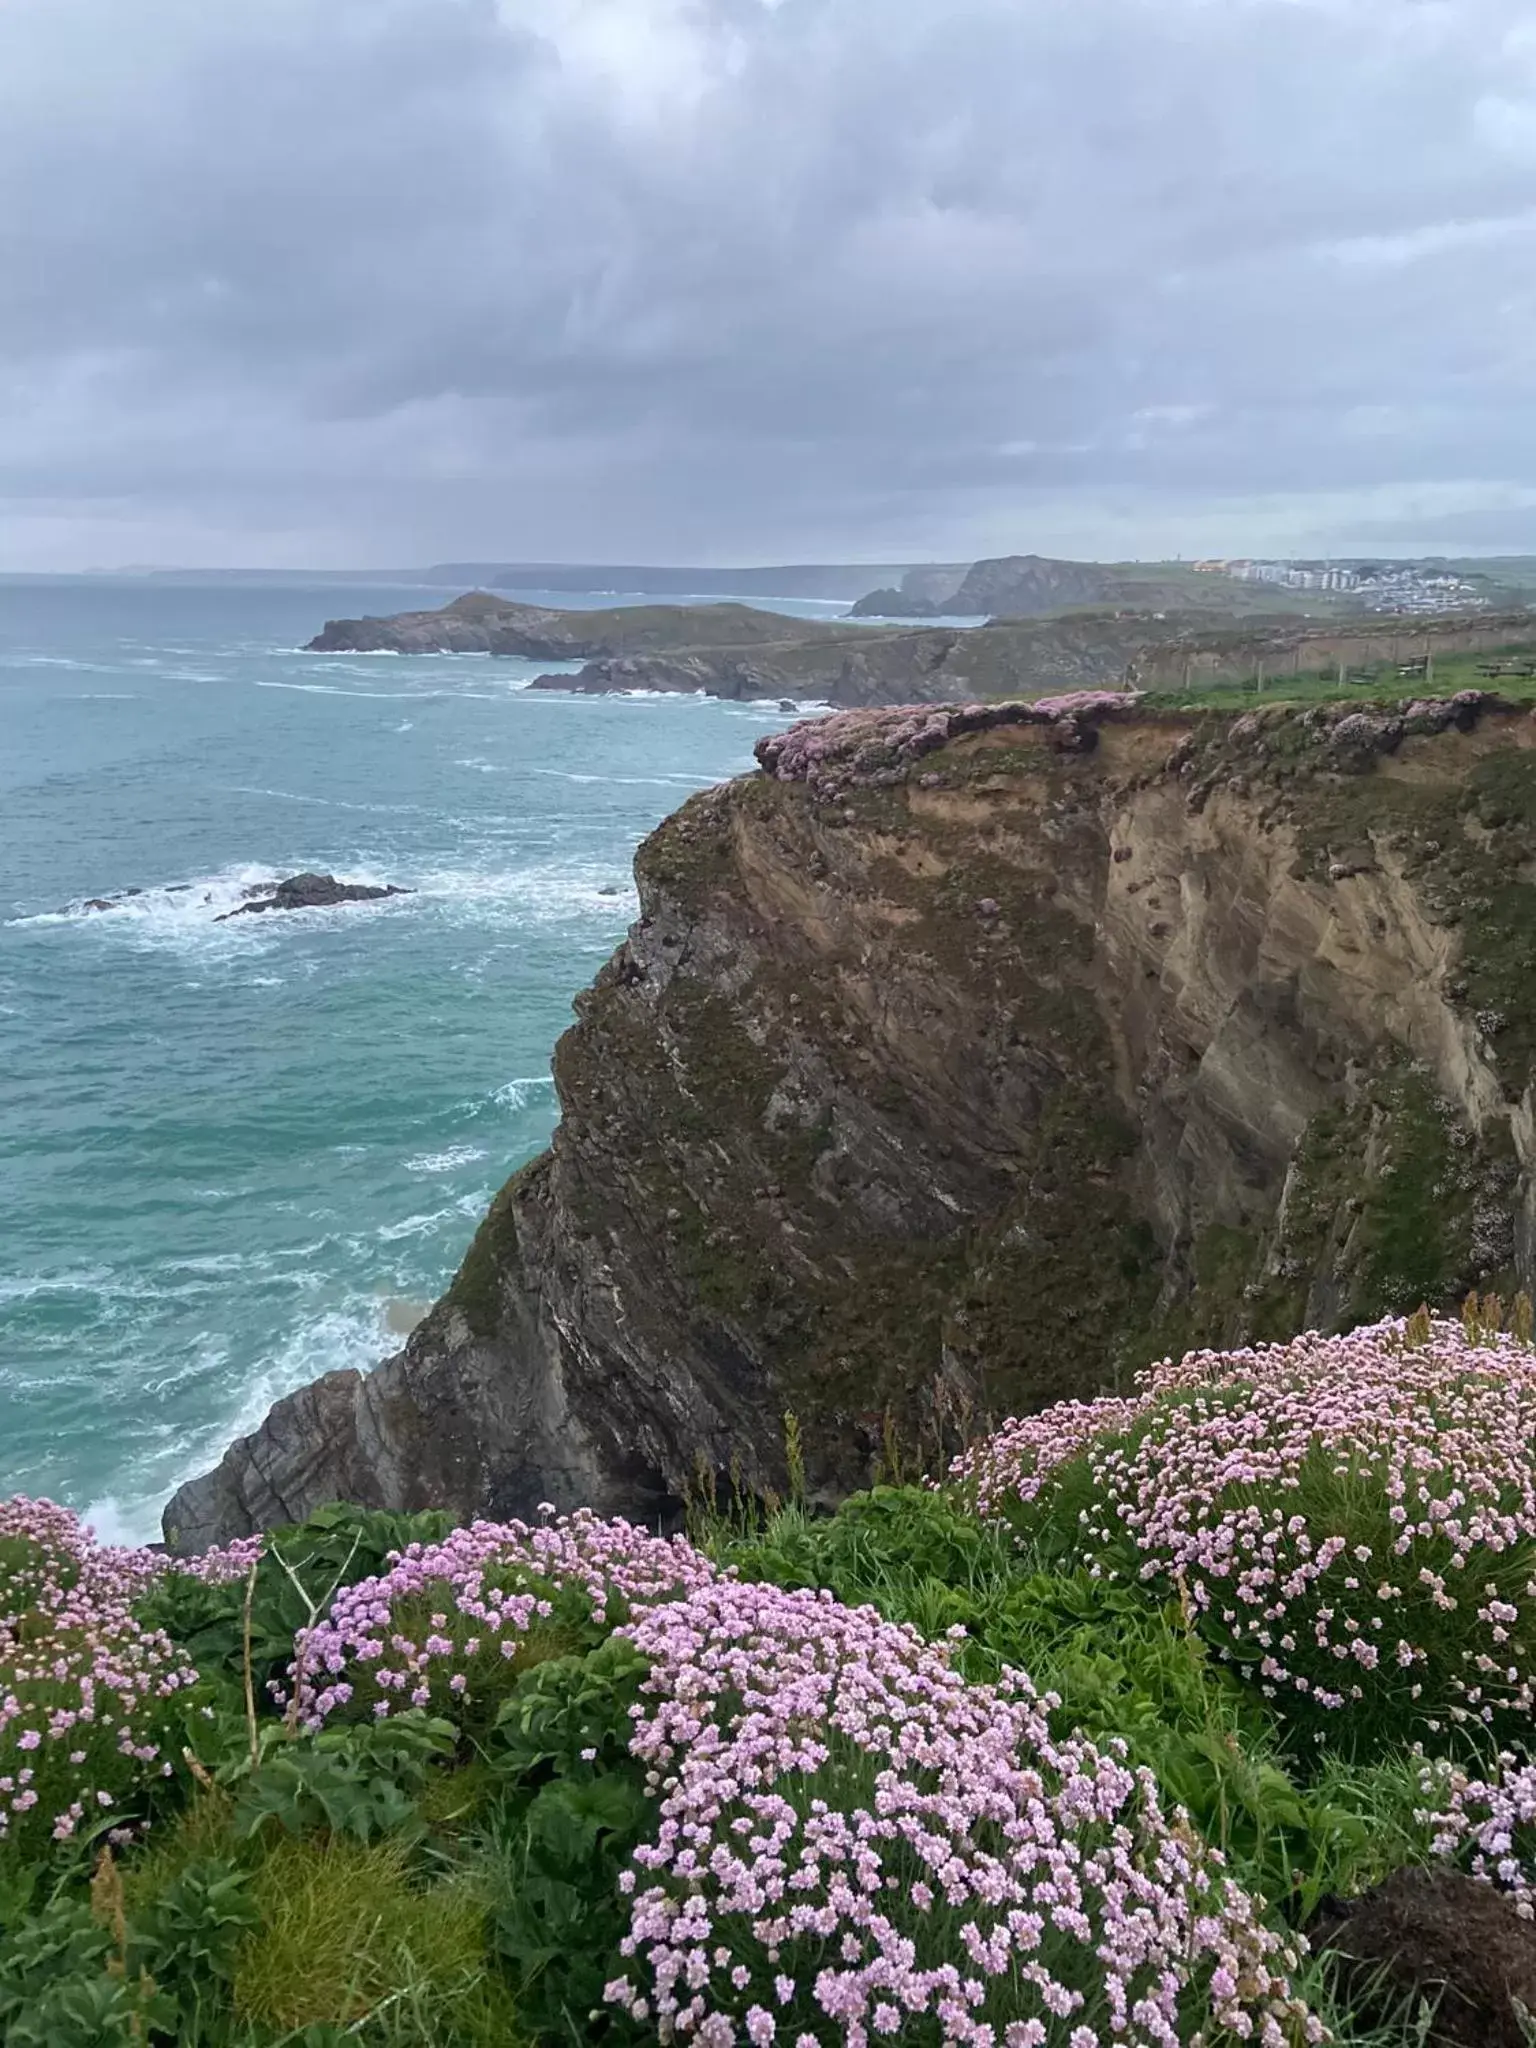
x,y
734,651
964,1060
1034,586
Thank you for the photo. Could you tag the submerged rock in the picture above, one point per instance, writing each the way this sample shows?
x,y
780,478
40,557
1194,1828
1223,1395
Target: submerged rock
x,y
309,892
103,902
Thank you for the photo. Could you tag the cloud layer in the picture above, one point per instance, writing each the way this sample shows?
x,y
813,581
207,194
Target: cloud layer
x,y
386,281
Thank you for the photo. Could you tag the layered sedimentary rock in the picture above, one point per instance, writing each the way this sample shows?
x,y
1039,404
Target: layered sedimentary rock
x,y
964,1059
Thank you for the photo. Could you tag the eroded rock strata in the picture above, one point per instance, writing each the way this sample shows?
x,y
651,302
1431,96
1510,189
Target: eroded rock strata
x,y
967,1058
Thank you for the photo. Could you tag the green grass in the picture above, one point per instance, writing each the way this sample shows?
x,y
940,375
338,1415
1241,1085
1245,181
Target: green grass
x,y
1380,684
349,1936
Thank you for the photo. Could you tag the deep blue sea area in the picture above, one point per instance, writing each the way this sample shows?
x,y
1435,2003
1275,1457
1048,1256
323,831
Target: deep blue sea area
x,y
235,1156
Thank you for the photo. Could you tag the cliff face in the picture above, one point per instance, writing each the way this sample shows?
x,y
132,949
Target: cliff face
x,y
1022,586
966,1061
1033,586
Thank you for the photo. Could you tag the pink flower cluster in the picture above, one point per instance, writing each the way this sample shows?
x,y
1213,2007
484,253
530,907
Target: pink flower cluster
x,y
438,1628
848,1835
1017,1461
1490,1825
83,1686
877,746
218,1567
1353,1517
854,1841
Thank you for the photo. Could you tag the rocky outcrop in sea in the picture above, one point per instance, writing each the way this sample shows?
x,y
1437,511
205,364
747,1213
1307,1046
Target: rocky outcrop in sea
x,y
309,892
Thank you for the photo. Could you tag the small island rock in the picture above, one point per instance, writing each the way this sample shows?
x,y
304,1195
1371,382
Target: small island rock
x,y
309,892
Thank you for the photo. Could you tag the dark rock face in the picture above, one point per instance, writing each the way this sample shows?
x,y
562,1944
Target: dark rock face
x,y
309,892
1050,640
890,668
1024,585
106,902
736,652
1444,1939
723,674
968,1059
895,604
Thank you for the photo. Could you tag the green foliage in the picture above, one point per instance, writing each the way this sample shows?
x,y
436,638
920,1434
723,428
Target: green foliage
x,y
74,1976
570,1716
357,1780
188,1936
353,1944
300,1571
573,1810
55,1990
415,1882
94,2011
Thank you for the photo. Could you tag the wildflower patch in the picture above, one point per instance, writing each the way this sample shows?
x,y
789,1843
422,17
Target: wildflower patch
x,y
1350,1520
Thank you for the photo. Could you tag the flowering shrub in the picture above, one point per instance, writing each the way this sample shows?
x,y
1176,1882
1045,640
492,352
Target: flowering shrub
x,y
441,1627
854,1843
84,1688
877,745
1490,1825
1350,1519
1013,1465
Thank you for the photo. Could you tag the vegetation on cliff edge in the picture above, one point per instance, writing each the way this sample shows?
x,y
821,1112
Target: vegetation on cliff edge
x,y
1070,1746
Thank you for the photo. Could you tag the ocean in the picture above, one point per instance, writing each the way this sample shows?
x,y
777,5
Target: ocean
x,y
236,1156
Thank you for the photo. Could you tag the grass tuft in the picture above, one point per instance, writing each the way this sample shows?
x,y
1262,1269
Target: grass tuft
x,y
347,1936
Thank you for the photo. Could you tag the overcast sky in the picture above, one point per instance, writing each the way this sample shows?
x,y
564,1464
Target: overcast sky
x,y
380,282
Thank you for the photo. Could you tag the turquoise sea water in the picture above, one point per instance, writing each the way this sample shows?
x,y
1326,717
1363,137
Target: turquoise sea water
x,y
231,1155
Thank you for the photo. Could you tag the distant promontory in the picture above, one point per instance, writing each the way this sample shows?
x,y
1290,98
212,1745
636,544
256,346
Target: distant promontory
x,y
738,652
482,623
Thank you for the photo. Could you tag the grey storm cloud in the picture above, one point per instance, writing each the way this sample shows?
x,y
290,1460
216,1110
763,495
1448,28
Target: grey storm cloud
x,y
382,281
